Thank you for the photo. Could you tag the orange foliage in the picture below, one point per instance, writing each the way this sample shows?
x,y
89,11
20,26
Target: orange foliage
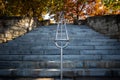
x,y
84,8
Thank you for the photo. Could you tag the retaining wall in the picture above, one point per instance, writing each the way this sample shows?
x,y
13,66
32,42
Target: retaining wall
x,y
108,25
12,27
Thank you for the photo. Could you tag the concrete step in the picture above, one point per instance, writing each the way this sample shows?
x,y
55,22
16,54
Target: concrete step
x,y
89,47
95,43
53,29
39,65
83,35
100,52
57,57
72,42
73,57
57,52
69,47
56,72
56,64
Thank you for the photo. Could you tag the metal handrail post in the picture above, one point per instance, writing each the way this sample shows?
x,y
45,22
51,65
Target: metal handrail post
x,y
61,64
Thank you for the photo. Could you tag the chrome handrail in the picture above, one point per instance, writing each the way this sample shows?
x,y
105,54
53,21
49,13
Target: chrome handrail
x,y
61,38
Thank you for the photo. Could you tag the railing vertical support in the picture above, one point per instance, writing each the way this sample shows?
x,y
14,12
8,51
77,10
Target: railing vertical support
x,y
61,64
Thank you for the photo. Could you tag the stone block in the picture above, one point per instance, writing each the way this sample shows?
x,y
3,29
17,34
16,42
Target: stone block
x,y
113,64
95,72
5,72
95,64
70,52
10,57
108,47
10,64
99,52
113,29
111,57
30,65
52,51
40,57
82,57
66,64
3,52
80,47
20,52
44,47
104,40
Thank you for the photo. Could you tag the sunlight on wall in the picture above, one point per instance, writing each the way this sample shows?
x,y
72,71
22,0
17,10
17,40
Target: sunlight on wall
x,y
49,17
46,16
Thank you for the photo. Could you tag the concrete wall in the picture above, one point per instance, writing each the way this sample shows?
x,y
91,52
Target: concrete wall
x,y
109,25
12,27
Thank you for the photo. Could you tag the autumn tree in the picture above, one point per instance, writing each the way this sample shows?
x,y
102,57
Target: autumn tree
x,y
113,6
2,7
74,9
31,8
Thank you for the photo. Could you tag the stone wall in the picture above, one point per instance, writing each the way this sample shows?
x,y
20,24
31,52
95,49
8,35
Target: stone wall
x,y
12,27
109,25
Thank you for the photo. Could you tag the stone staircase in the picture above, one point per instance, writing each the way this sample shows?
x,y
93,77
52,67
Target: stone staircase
x,y
35,54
